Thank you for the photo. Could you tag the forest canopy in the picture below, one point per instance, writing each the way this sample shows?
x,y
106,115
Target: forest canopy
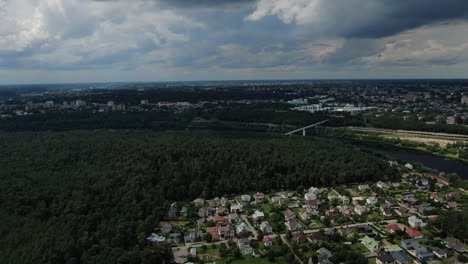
x,y
94,196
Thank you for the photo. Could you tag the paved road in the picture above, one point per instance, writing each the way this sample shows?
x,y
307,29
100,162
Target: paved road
x,y
254,232
391,221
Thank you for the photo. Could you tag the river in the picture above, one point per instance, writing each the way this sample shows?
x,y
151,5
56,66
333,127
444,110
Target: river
x,y
431,161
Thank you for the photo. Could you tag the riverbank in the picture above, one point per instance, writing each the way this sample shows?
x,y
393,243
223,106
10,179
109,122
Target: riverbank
x,y
439,146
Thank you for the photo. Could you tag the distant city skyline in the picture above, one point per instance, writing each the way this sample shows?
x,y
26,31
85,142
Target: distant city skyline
x,y
72,41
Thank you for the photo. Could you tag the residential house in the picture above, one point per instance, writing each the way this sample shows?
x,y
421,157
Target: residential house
x,y
174,238
201,222
346,211
299,237
451,205
440,253
234,218
345,199
166,228
289,214
420,251
357,200
155,239
220,220
215,202
408,166
346,232
243,229
433,195
372,200
193,251
386,210
361,209
259,198
244,246
314,191
414,234
221,232
364,188
425,209
415,222
199,202
394,228
323,254
222,211
384,258
172,213
193,236
403,211
304,215
266,228
312,205
292,224
206,212
412,201
332,197
315,237
384,185
236,208
224,200
258,216
370,243
453,195
332,212
267,241
401,258
452,243
246,198
439,200
184,211
391,201
392,248
276,199
310,196
365,230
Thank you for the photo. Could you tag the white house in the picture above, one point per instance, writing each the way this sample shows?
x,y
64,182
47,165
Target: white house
x,y
415,222
371,200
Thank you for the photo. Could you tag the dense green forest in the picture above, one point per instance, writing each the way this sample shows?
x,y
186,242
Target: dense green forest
x,y
94,196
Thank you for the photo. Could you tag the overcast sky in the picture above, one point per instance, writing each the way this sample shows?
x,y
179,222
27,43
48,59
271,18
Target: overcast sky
x,y
169,40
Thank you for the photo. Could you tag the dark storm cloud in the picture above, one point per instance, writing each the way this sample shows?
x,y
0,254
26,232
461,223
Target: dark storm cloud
x,y
361,18
399,15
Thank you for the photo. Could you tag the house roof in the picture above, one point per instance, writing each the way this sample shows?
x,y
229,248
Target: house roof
x,y
394,227
267,239
400,256
413,233
385,257
218,218
370,242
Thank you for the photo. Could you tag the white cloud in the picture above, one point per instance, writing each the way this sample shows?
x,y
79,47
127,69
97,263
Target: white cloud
x,y
67,32
405,52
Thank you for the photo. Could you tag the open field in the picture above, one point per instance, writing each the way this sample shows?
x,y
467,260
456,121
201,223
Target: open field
x,y
425,140
410,132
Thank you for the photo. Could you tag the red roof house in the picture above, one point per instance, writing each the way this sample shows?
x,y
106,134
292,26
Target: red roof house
x,y
394,227
414,233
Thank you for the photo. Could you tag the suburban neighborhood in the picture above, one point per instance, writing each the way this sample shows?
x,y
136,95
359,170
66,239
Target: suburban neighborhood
x,y
382,222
